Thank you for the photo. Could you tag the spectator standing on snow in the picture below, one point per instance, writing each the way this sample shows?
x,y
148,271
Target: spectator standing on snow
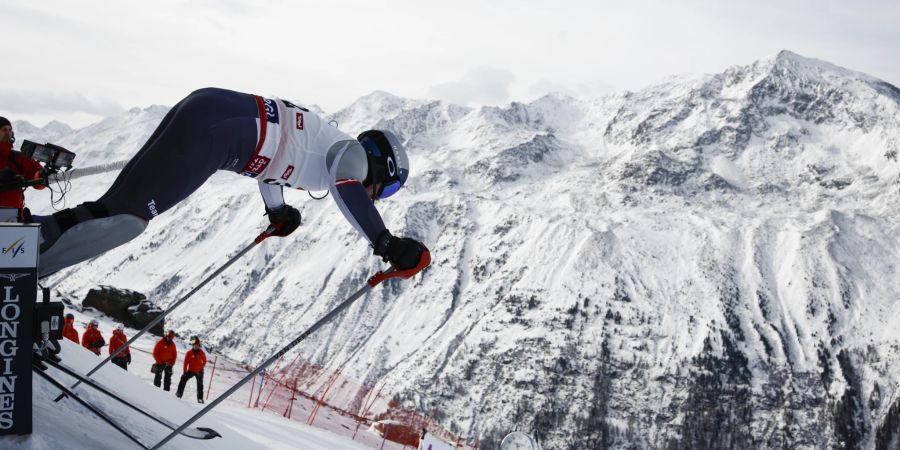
x,y
92,339
164,354
194,362
69,332
117,340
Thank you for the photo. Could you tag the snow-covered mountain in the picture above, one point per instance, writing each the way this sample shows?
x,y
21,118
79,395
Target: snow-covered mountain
x,y
710,262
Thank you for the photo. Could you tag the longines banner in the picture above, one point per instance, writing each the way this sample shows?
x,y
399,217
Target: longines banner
x,y
18,290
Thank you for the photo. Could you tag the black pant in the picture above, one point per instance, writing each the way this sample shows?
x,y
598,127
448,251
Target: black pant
x,y
211,129
121,362
167,380
184,379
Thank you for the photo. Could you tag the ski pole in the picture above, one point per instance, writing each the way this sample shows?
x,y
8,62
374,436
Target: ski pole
x,y
375,280
262,236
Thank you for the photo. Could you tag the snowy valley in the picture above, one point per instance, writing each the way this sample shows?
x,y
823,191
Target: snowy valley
x,y
710,262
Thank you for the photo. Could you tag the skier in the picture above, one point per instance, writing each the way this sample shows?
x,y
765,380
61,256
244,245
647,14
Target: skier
x,y
14,167
69,332
92,339
272,140
117,340
194,362
164,354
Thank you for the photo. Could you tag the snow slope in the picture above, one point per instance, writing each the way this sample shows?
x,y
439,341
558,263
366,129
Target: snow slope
x,y
706,263
68,425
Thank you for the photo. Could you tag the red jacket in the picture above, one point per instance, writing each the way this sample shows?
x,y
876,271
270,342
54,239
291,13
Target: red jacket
x,y
165,352
69,331
117,340
19,164
194,361
92,340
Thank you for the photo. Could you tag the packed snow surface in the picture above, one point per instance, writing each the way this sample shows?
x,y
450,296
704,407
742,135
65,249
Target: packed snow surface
x,y
68,425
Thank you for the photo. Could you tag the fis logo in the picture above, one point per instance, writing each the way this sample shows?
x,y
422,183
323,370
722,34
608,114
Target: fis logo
x,y
16,248
271,110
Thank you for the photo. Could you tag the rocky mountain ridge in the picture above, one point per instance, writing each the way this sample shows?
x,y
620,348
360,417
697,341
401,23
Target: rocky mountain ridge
x,y
705,263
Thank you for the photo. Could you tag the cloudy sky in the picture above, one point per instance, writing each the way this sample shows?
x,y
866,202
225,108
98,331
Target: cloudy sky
x,y
80,61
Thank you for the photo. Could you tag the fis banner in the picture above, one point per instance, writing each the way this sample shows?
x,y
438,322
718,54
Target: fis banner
x,y
18,289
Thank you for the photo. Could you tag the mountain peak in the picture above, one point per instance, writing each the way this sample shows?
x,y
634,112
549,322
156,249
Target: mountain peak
x,y
787,55
379,95
378,100
792,65
368,110
58,127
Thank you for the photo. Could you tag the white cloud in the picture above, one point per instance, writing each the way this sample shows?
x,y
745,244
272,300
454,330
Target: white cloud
x,y
330,53
479,86
38,102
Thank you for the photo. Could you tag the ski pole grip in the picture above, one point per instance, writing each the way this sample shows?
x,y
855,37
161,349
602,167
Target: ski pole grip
x,y
424,261
265,234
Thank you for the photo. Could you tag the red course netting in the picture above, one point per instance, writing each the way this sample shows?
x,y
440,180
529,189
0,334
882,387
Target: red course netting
x,y
299,390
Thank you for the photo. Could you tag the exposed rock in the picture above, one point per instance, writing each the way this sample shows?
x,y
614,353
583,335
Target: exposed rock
x,y
129,307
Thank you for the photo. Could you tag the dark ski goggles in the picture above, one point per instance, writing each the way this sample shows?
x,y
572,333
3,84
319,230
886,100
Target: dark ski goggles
x,y
389,189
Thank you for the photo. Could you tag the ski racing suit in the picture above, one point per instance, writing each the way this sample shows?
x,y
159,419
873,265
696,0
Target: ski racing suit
x,y
274,141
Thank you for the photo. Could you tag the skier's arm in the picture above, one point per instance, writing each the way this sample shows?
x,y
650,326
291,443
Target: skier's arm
x,y
272,195
353,200
348,165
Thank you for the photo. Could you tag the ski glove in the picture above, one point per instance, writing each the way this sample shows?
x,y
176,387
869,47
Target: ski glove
x,y
402,253
285,219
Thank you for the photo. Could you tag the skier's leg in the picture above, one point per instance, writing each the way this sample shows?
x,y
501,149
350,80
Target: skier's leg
x,y
157,376
211,129
181,383
199,376
89,231
167,380
150,141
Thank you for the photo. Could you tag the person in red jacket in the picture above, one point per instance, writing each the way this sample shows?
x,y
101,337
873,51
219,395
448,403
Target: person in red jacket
x,y
194,362
14,166
165,354
92,339
69,332
117,340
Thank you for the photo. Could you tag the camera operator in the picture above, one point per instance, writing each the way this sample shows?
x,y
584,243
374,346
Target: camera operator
x,y
14,168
